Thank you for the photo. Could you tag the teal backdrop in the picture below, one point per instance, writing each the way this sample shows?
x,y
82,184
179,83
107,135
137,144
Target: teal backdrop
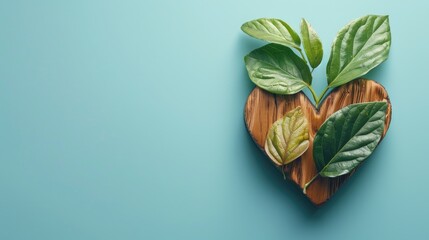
x,y
124,120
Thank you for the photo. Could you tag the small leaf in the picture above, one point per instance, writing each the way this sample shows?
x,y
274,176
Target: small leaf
x,y
348,137
312,44
277,69
359,47
288,138
272,30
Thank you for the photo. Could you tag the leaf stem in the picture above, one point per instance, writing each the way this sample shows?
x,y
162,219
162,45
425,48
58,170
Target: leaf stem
x,y
308,184
313,93
320,98
323,94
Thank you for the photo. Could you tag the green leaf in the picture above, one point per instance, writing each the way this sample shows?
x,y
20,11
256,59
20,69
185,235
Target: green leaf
x,y
288,138
359,47
348,137
277,69
272,30
312,44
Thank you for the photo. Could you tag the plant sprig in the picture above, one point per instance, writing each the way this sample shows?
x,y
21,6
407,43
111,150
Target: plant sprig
x,y
349,135
365,42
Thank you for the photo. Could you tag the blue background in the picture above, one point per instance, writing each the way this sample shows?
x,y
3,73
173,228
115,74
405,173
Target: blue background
x,y
124,120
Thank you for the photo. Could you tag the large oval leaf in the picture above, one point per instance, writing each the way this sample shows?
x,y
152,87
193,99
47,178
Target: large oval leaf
x,y
288,137
312,44
277,69
348,137
359,47
272,30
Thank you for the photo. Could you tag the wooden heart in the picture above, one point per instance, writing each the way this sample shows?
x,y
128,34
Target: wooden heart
x,y
263,109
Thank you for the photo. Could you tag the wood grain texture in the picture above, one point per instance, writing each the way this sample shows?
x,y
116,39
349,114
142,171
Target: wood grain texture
x,y
263,109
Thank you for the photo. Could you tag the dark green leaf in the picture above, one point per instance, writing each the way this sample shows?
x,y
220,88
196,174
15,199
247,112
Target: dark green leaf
x,y
277,69
288,138
359,47
348,137
272,30
312,44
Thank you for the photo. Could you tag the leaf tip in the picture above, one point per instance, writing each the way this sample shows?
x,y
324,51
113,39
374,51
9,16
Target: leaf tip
x,y
383,105
243,27
303,21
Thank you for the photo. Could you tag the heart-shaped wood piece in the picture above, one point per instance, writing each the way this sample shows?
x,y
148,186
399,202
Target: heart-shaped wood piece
x,y
263,109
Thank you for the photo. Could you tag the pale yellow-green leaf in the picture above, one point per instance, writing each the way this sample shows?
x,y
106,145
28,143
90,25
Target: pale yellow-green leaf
x,y
288,138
